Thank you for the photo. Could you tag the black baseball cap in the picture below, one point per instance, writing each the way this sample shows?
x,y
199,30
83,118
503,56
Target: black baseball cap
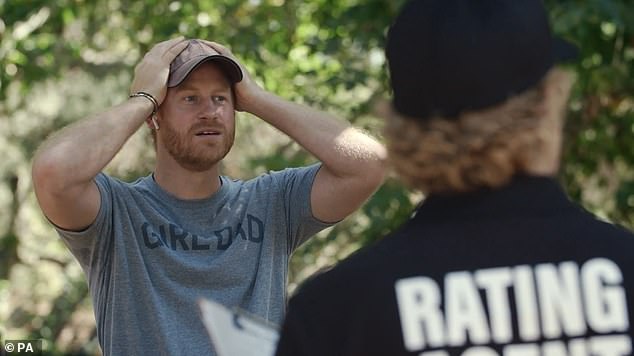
x,y
450,56
194,54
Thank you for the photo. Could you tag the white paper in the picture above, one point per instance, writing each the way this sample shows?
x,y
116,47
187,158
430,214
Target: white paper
x,y
235,333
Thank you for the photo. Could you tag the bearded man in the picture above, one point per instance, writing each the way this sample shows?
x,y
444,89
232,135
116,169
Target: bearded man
x,y
150,249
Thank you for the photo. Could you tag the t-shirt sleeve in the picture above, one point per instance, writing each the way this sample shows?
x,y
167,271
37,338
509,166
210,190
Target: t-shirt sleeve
x,y
84,244
296,185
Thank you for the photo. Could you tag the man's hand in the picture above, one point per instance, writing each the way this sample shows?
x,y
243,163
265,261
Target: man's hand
x,y
151,74
247,90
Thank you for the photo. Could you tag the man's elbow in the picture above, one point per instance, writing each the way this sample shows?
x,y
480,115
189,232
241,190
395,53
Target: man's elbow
x,y
47,174
371,175
376,169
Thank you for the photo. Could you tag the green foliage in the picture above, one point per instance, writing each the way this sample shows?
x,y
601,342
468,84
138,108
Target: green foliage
x,y
62,60
600,150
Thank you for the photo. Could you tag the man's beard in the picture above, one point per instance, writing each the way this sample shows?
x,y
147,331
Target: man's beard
x,y
193,156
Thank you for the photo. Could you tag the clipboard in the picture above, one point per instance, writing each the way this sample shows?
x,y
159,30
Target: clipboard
x,y
234,332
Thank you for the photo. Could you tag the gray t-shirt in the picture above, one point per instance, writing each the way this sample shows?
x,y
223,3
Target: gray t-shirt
x,y
150,256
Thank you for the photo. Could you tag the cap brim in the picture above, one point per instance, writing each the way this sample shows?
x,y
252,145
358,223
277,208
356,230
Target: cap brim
x,y
564,51
229,67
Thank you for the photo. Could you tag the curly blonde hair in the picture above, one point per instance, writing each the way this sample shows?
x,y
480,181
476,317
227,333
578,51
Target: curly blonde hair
x,y
483,148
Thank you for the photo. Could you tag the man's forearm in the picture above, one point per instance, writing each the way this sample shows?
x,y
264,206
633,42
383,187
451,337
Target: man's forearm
x,y
77,153
345,150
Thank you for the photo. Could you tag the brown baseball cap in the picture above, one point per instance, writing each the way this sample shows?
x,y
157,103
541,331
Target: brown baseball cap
x,y
196,53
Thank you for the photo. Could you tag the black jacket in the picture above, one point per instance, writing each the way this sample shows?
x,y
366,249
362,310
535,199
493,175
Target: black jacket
x,y
514,271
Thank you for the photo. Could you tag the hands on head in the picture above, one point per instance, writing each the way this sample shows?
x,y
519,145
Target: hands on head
x,y
152,73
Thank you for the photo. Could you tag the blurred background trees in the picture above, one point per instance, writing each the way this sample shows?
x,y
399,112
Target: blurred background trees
x,y
65,59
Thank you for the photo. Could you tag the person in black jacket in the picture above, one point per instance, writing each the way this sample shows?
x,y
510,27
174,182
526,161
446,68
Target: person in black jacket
x,y
497,260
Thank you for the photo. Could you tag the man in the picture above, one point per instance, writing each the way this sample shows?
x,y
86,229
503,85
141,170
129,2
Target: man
x,y
152,248
497,260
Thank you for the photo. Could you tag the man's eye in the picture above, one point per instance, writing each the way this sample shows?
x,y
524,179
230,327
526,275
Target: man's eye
x,y
219,99
191,99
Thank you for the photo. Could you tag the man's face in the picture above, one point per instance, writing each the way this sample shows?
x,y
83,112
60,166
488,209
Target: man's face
x,y
197,119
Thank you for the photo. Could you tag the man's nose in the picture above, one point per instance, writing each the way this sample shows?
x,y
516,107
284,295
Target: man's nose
x,y
209,109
